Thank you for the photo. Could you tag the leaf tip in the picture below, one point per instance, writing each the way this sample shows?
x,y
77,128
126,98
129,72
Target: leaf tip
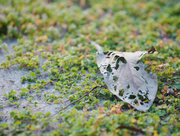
x,y
152,50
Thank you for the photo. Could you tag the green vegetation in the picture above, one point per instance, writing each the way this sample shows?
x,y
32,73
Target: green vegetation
x,y
53,45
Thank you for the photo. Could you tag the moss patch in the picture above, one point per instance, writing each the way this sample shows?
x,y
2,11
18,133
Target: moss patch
x,y
59,66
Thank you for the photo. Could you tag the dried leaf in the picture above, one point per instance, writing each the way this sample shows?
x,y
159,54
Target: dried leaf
x,y
126,78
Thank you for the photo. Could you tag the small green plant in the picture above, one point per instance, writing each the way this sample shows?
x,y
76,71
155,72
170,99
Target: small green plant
x,y
52,43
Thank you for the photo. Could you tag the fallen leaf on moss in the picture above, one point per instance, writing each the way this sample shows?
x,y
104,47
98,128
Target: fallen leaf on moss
x,y
126,77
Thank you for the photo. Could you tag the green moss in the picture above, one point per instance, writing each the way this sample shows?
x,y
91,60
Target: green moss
x,y
53,45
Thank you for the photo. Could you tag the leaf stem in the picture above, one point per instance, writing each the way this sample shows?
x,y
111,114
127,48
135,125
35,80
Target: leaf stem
x,y
86,94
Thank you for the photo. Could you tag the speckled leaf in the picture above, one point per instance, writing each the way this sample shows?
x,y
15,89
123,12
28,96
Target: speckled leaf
x,y
126,78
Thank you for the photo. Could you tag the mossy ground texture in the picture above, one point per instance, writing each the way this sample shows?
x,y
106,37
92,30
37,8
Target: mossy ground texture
x,y
47,62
